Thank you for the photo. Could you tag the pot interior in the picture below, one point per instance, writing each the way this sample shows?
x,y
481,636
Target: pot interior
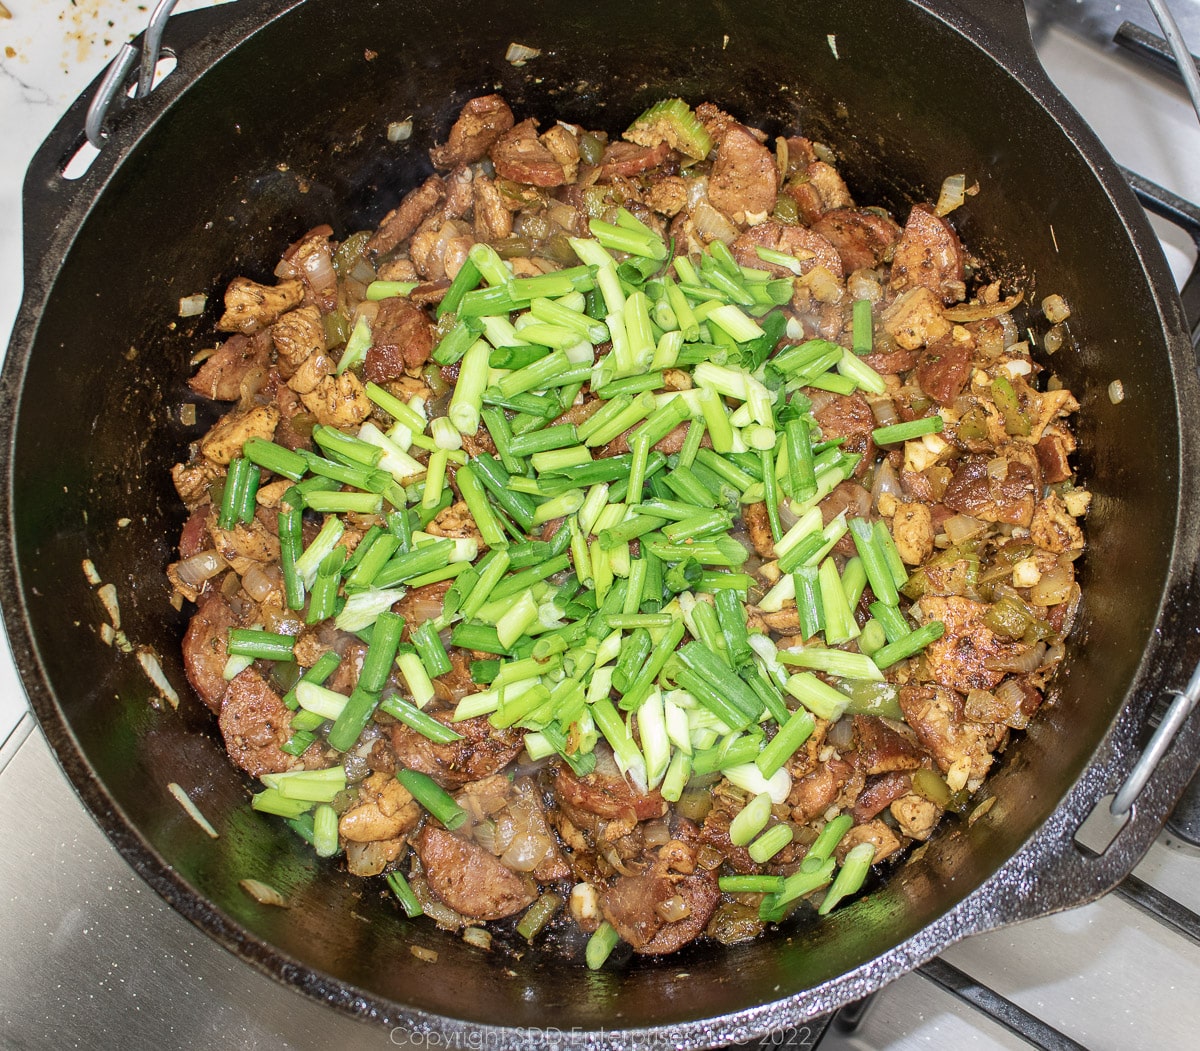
x,y
288,131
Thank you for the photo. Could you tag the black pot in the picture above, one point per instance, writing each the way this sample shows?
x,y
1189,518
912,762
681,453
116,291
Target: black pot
x,y
274,121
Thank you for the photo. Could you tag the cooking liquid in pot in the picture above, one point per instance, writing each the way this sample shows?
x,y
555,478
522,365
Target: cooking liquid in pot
x,y
664,539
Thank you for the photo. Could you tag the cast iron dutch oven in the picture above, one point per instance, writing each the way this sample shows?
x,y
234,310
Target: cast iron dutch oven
x,y
275,121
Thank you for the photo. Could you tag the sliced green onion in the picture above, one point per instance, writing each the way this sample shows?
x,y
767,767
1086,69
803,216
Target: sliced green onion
x,y
785,743
818,697
750,820
770,843
850,877
415,719
325,831
433,797
600,945
902,432
408,899
261,645
910,645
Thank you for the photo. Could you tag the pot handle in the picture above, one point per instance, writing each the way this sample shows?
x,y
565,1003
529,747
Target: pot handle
x,y
1107,823
103,119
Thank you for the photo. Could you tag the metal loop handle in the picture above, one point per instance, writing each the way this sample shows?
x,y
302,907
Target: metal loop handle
x,y
120,67
1181,708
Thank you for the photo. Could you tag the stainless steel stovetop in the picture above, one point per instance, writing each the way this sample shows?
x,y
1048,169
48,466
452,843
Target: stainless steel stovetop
x,y
91,957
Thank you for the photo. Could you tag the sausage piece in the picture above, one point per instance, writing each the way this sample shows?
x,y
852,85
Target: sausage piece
x,y
469,879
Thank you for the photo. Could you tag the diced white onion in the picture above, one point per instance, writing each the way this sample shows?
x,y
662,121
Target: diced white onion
x,y
1116,392
400,130
263,893
190,306
519,54
148,659
953,193
190,808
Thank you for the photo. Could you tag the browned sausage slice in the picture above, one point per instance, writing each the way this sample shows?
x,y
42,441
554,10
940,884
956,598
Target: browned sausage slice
x,y
469,879
205,652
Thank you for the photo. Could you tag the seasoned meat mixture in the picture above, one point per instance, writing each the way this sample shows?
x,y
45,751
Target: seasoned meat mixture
x,y
632,541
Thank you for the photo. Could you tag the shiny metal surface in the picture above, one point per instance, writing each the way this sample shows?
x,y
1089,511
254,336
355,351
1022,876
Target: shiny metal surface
x,y
93,958
90,952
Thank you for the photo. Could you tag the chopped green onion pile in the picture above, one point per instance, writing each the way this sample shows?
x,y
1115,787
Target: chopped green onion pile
x,y
604,583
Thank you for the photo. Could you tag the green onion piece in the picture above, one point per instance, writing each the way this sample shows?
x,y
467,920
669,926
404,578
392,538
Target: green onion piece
x,y
415,678
818,697
330,501
600,945
466,402
902,432
298,743
426,791
850,877
323,598
630,385
840,625
461,337
495,478
640,687
325,831
352,719
275,458
433,654
290,544
873,637
910,645
378,290
326,665
808,600
271,801
372,561
467,279
857,370
770,843
491,568
355,351
233,498
732,617
394,407
261,645
634,242
363,607
491,267
538,915
733,321
632,414
812,875
771,495
895,624
713,683
888,547
334,443
784,744
831,835
660,423
750,820
422,559
751,884
302,826
408,899
862,328
801,473
832,662
734,751
415,719
385,640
